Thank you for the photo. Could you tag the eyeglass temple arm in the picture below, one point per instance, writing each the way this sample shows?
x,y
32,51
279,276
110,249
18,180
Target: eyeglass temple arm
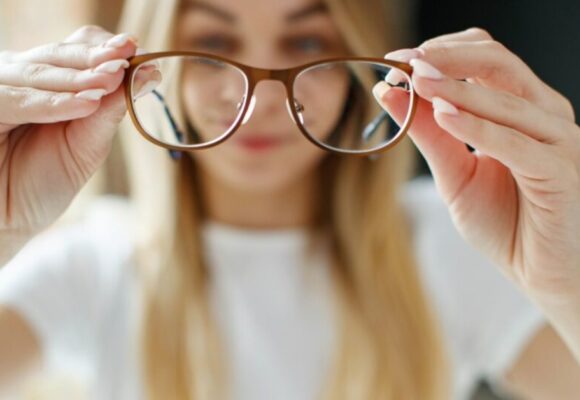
x,y
173,153
371,128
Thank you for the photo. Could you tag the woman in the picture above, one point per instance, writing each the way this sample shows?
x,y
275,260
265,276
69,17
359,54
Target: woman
x,y
213,250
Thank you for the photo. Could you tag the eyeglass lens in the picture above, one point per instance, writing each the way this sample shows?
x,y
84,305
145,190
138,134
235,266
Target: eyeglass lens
x,y
199,100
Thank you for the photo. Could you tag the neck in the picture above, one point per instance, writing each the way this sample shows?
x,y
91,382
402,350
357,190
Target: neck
x,y
286,207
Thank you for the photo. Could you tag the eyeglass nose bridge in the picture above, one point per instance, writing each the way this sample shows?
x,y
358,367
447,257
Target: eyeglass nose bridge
x,y
285,76
260,74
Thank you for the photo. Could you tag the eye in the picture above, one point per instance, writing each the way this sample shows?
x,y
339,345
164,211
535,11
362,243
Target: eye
x,y
213,43
308,44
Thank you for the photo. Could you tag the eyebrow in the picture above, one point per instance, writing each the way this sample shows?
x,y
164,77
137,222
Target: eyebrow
x,y
313,9
199,5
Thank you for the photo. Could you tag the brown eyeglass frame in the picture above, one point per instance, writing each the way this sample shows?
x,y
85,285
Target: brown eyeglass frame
x,y
253,77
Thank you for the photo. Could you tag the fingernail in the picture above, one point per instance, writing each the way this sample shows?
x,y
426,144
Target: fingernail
x,y
443,106
404,55
394,77
111,67
118,41
380,89
91,94
426,70
148,87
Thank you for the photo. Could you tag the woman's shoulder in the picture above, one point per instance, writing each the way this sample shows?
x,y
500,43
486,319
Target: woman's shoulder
x,y
486,320
68,270
83,251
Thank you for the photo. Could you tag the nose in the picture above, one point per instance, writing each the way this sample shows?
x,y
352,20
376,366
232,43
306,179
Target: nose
x,y
267,101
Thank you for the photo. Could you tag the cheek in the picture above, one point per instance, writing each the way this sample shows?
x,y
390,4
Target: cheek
x,y
212,103
323,101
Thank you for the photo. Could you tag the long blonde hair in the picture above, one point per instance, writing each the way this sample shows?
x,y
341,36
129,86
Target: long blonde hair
x,y
390,345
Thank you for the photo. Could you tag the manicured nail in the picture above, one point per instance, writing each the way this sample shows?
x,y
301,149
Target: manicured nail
x,y
91,94
148,87
395,76
111,67
443,106
118,41
426,70
380,89
153,63
404,55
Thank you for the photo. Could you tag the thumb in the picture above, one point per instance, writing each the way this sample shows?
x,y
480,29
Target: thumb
x,y
91,137
449,160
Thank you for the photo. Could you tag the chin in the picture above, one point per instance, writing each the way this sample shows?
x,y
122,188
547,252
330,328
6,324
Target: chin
x,y
259,175
258,181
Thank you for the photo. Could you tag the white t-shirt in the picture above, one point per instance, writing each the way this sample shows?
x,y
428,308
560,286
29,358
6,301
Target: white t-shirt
x,y
73,285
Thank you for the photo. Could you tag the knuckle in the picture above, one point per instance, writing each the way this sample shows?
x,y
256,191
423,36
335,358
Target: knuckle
x,y
53,100
493,45
108,83
515,139
576,145
21,98
429,42
88,30
479,126
111,85
480,32
440,50
510,103
52,49
33,72
568,108
492,67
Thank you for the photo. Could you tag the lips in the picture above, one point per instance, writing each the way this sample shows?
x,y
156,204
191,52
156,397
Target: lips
x,y
258,142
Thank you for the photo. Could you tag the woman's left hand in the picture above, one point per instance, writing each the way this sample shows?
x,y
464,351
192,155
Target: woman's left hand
x,y
517,197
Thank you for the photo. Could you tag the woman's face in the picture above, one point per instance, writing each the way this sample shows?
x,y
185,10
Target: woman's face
x,y
267,34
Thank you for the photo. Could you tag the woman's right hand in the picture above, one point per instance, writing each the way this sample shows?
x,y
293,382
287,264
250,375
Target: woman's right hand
x,y
60,105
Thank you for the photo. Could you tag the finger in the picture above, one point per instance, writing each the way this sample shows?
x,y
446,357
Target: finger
x,y
520,153
469,35
406,55
106,76
72,55
28,105
89,34
94,35
97,36
448,158
492,65
91,137
501,107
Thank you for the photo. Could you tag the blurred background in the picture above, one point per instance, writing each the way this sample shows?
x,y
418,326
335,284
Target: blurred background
x,y
546,35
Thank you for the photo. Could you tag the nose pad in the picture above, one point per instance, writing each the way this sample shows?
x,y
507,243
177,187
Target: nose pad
x,y
299,109
250,109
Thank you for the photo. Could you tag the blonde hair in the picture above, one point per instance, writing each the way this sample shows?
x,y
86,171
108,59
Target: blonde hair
x,y
390,346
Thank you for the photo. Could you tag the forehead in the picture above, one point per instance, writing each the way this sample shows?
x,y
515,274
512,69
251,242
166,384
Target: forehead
x,y
234,10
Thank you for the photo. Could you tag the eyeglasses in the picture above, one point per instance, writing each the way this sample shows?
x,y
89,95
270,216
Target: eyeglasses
x,y
184,101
